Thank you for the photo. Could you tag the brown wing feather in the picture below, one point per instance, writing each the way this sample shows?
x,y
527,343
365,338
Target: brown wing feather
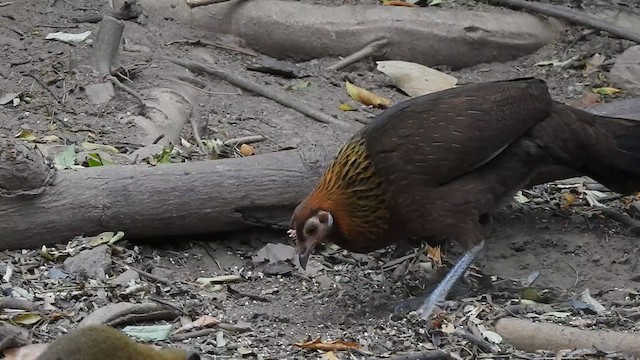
x,y
436,138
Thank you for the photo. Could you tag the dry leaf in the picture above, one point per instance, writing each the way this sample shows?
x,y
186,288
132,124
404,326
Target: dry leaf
x,y
593,64
366,97
587,99
398,3
247,150
435,254
606,90
335,345
202,322
27,318
568,199
448,328
26,135
416,79
347,107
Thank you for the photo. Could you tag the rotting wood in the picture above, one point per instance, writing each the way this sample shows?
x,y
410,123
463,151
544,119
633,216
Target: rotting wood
x,y
284,30
527,335
570,15
171,199
163,200
105,48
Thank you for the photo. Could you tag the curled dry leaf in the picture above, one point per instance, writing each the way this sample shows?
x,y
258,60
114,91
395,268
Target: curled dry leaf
x,y
247,150
568,199
593,64
416,79
335,345
366,97
587,99
202,322
435,254
398,3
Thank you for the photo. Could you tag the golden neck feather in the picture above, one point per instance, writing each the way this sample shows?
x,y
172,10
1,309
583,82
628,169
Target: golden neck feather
x,y
352,192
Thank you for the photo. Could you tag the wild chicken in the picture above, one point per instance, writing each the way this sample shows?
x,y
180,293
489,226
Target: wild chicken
x,y
435,165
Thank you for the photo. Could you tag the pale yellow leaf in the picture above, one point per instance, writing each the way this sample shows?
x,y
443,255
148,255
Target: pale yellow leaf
x,y
346,107
366,97
26,135
416,79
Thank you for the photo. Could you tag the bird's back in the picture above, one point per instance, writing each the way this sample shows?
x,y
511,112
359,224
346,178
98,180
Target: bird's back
x,y
441,136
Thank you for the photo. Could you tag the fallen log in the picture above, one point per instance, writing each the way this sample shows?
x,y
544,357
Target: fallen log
x,y
42,206
284,30
147,201
527,335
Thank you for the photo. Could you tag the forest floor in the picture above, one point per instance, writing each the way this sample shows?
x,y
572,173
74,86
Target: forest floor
x,y
341,295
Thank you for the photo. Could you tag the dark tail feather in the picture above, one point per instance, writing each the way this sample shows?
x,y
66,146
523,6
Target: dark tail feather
x,y
619,171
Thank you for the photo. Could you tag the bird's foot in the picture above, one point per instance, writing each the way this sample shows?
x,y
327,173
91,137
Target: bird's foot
x,y
440,293
429,305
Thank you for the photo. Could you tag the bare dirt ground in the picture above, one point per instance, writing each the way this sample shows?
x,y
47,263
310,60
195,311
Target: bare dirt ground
x,y
342,296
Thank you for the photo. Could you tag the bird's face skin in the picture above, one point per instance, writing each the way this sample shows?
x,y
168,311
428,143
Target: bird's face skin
x,y
310,228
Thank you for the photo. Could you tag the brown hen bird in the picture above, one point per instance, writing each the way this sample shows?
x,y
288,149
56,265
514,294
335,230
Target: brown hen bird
x,y
432,166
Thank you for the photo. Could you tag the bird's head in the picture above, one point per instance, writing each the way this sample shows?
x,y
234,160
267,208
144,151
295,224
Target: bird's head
x,y
310,227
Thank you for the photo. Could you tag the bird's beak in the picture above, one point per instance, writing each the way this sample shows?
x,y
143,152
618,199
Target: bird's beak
x,y
303,256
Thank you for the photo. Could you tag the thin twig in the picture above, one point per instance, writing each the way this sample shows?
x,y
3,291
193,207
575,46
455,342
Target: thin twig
x,y
621,218
577,275
185,83
196,135
570,15
196,3
159,279
248,52
477,341
126,89
372,48
244,140
44,86
249,85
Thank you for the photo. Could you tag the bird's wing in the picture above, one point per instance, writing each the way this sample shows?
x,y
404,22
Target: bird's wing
x,y
440,136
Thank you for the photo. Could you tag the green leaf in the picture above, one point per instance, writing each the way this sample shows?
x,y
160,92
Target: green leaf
x,y
165,155
149,333
94,159
300,85
66,158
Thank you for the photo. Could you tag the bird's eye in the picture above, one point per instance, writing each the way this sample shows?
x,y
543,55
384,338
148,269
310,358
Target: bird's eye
x,y
311,230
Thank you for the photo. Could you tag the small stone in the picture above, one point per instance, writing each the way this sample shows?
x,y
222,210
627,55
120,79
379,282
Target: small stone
x,y
93,263
100,93
163,273
125,278
625,73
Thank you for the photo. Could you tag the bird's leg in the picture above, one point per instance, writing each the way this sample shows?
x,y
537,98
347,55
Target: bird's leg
x,y
440,293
